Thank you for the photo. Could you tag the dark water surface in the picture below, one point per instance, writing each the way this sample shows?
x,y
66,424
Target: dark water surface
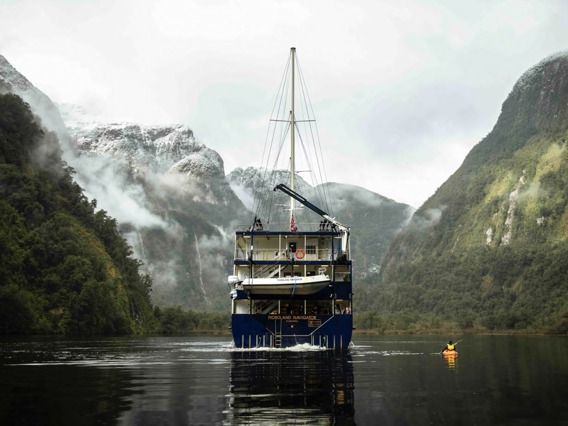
x,y
501,380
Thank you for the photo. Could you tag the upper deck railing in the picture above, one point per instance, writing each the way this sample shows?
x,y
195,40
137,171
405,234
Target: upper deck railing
x,y
285,227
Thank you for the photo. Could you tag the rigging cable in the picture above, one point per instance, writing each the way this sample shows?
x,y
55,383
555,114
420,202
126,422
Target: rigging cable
x,y
258,198
322,190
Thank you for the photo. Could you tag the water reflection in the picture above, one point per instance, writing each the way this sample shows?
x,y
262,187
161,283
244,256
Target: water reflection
x,y
451,361
52,383
280,387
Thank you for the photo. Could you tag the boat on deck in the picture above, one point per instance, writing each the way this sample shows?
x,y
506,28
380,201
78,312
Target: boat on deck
x,y
300,285
291,280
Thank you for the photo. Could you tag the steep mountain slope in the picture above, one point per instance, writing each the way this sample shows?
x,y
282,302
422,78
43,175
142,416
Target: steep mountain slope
x,y
489,248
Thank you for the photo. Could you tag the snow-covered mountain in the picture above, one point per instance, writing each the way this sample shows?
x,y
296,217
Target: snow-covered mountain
x,y
148,149
181,204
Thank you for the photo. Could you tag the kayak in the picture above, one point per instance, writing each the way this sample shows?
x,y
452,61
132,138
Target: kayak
x,y
448,353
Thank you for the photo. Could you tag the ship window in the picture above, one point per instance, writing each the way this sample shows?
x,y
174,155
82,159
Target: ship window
x,y
310,249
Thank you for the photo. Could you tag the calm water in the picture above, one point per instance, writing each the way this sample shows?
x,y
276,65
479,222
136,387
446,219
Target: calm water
x,y
200,380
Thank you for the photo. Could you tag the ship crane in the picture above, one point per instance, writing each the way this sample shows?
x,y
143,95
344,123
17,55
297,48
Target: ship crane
x,y
342,228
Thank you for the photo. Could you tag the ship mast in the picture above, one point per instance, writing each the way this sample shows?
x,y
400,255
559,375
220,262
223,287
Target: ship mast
x,y
292,140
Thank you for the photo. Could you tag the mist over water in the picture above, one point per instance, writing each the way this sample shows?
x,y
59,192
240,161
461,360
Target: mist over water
x,y
205,380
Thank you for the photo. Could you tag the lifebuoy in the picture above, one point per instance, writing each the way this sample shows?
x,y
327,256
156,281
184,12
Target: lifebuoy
x,y
300,254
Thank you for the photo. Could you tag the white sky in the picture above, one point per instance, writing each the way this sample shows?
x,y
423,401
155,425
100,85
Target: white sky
x,y
402,90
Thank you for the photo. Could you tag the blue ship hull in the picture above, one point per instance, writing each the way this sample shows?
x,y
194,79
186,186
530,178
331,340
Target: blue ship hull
x,y
281,331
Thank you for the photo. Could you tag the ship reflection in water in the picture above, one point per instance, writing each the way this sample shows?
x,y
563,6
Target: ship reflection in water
x,y
275,387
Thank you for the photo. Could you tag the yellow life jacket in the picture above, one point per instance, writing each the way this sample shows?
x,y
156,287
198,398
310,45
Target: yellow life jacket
x,y
450,347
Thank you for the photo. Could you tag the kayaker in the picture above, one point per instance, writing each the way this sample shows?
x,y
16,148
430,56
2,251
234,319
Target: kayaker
x,y
450,346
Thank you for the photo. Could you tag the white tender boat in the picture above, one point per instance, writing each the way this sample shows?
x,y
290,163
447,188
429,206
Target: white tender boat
x,y
291,285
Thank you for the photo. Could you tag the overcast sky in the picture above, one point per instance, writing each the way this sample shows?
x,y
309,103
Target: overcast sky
x,y
402,90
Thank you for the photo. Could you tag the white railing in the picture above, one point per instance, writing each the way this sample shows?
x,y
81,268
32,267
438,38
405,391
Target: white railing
x,y
285,226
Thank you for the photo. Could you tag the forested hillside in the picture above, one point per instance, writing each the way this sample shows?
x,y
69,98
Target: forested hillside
x,y
64,267
489,250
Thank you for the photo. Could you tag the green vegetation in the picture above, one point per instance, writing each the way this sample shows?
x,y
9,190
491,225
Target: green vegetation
x,y
64,267
175,320
505,289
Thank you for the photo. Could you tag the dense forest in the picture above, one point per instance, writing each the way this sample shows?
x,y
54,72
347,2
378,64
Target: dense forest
x,y
64,267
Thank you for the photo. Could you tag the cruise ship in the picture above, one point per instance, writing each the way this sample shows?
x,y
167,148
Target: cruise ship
x,y
291,280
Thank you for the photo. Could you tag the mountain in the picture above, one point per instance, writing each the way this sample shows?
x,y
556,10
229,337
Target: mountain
x,y
488,250
173,202
147,149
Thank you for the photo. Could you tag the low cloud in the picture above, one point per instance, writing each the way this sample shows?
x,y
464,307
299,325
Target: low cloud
x,y
427,219
244,194
105,179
